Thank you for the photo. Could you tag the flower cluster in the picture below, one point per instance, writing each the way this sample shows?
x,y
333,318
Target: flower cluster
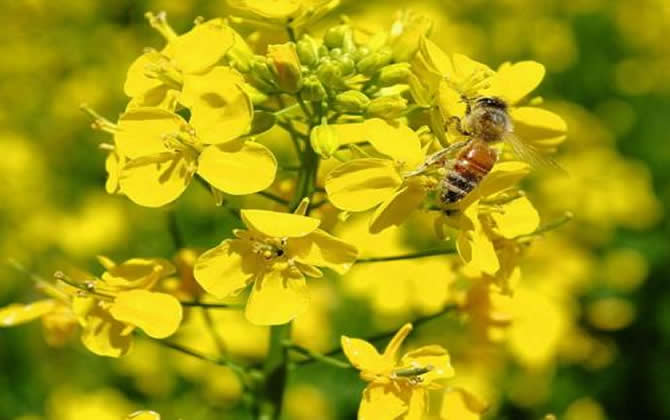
x,y
377,121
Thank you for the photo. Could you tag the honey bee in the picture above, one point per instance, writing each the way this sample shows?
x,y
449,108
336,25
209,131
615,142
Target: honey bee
x,y
486,122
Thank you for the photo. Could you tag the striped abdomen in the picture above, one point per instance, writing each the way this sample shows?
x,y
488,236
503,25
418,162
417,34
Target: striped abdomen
x,y
472,165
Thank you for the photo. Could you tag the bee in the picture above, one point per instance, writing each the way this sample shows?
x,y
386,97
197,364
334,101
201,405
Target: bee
x,y
485,123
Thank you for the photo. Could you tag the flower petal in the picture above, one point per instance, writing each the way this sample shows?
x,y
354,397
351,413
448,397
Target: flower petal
x,y
417,404
277,298
503,176
459,404
324,250
144,415
273,10
156,180
513,82
361,184
382,402
398,142
141,131
519,217
104,335
220,109
279,225
16,313
238,167
137,83
433,355
203,46
157,314
226,269
137,273
364,356
391,350
113,169
398,208
536,124
474,246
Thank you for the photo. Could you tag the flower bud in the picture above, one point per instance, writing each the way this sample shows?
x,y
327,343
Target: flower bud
x,y
313,90
261,76
308,51
370,64
394,74
285,66
323,139
351,101
240,54
347,64
387,107
330,73
335,36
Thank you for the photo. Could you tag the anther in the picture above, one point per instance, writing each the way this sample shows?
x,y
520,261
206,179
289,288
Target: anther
x,y
159,23
99,122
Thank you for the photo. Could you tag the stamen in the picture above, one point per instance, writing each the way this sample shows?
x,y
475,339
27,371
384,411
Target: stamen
x,y
159,23
99,122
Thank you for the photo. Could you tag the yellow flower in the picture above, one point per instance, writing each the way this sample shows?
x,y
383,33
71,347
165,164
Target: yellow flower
x,y
275,254
362,184
164,152
58,320
155,78
447,78
276,14
397,388
459,404
121,300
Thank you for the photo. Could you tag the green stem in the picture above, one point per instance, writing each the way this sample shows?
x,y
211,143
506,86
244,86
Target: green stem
x,y
420,254
273,197
175,232
275,370
198,304
317,356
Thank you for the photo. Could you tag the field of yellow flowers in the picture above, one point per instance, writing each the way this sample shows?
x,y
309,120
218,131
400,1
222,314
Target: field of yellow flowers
x,y
334,209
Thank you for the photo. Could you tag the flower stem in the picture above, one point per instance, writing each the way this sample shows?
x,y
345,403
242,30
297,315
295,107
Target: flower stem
x,y
273,197
275,370
197,304
420,254
317,356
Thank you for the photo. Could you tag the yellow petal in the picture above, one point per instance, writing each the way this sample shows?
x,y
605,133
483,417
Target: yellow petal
x,y
203,46
398,208
279,225
273,10
382,402
391,351
158,314
417,404
137,83
433,355
137,273
277,298
144,415
514,82
104,335
163,97
398,142
361,184
474,246
464,67
16,313
324,250
156,180
238,167
221,110
519,217
503,176
141,131
458,404
113,168
532,124
450,101
226,269
364,356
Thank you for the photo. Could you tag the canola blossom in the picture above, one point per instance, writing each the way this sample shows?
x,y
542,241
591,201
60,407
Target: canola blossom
x,y
324,127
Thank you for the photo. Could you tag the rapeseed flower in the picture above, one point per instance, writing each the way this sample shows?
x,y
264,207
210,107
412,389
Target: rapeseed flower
x,y
274,255
280,14
397,388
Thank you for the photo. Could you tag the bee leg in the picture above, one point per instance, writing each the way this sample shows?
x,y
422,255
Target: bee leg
x,y
437,157
456,122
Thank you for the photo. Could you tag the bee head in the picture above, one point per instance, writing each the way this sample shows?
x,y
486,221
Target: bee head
x,y
491,102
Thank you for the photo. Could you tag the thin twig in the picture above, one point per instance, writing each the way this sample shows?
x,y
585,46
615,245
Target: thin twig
x,y
317,356
273,197
420,254
198,304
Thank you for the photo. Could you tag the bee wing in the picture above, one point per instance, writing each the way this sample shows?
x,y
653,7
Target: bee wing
x,y
530,154
438,156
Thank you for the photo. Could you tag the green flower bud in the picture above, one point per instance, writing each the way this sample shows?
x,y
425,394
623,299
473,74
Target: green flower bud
x,y
347,64
335,36
285,66
394,74
351,101
330,73
323,139
313,90
261,76
308,51
375,61
240,54
387,107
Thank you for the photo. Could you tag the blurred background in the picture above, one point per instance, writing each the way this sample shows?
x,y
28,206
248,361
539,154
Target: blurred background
x,y
591,333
